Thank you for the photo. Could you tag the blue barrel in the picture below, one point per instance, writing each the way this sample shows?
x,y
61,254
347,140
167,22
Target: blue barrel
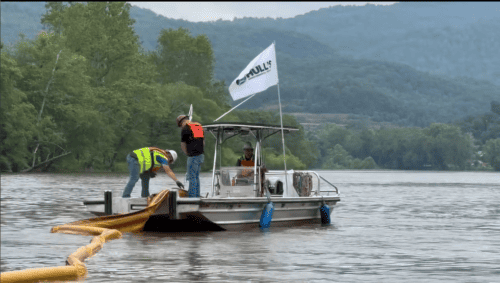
x,y
267,215
325,214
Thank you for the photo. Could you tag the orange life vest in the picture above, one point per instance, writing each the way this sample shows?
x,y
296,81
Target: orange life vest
x,y
249,163
245,163
197,130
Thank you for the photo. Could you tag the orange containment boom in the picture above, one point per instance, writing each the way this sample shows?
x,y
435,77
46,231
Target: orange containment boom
x,y
104,229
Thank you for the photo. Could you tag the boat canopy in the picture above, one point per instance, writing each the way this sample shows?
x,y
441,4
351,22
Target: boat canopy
x,y
228,130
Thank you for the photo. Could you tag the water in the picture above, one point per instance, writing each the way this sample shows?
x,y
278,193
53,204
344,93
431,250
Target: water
x,y
390,226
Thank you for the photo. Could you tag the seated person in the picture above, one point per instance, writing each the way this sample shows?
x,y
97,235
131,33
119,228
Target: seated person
x,y
247,160
246,175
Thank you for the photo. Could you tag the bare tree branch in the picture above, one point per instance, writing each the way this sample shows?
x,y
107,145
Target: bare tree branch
x,y
39,164
43,105
47,87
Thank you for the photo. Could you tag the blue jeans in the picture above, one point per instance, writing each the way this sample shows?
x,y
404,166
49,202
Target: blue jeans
x,y
193,174
134,169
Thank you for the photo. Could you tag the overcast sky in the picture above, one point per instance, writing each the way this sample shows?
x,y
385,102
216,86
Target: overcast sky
x,y
212,11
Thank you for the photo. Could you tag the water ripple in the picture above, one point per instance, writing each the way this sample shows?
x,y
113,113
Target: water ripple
x,y
390,226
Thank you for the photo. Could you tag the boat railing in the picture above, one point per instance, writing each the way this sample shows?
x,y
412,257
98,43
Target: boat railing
x,y
318,191
234,179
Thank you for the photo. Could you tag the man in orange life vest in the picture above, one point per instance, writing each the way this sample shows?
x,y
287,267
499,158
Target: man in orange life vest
x,y
192,144
248,158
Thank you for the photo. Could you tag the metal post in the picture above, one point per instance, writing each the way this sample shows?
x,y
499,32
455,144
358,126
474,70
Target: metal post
x,y
282,131
215,162
220,155
261,176
257,152
172,205
108,208
234,107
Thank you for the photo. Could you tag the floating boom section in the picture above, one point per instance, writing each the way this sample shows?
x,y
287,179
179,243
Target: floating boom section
x,y
105,228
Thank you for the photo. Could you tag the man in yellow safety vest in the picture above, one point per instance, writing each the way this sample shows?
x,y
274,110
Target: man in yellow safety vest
x,y
143,162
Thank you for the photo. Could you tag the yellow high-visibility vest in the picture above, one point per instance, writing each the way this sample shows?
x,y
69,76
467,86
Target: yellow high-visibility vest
x,y
147,158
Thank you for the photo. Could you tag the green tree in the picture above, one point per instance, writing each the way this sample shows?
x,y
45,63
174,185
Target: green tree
x,y
413,154
337,157
86,80
329,136
491,153
43,83
368,163
101,32
274,161
183,58
17,118
448,145
57,85
52,19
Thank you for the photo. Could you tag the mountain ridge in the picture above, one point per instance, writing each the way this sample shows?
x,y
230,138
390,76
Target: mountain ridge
x,y
380,89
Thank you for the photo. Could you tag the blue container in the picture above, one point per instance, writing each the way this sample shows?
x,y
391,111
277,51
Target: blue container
x,y
267,215
325,214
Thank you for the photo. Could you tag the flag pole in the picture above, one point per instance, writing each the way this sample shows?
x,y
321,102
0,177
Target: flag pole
x,y
190,112
234,107
281,120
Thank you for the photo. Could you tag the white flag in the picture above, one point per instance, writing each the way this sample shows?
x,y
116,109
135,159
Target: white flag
x,y
258,76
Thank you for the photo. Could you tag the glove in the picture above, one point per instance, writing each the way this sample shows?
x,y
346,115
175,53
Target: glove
x,y
180,185
152,174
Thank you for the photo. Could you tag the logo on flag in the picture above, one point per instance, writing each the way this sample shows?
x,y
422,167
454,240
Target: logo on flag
x,y
255,72
258,76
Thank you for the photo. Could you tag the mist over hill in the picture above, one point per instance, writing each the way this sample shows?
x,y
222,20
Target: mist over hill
x,y
407,63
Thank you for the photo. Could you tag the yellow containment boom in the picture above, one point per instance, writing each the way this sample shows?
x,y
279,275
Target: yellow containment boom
x,y
104,229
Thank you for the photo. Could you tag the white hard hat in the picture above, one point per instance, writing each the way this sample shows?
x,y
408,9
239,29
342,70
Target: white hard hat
x,y
173,153
247,146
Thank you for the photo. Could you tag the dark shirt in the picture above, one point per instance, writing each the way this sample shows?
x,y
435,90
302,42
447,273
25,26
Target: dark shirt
x,y
238,163
194,146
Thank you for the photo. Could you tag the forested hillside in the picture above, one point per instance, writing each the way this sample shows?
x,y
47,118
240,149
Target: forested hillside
x,y
315,78
439,39
86,91
448,38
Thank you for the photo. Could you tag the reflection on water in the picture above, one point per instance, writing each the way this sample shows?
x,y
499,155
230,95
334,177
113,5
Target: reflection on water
x,y
390,226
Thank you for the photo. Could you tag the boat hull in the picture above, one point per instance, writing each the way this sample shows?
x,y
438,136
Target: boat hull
x,y
215,214
198,223
245,213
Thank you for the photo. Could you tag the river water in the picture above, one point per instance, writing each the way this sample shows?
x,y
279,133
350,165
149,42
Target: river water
x,y
390,226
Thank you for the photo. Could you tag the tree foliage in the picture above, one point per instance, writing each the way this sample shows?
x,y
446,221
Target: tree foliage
x,y
439,146
17,117
183,58
492,153
85,93
437,73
